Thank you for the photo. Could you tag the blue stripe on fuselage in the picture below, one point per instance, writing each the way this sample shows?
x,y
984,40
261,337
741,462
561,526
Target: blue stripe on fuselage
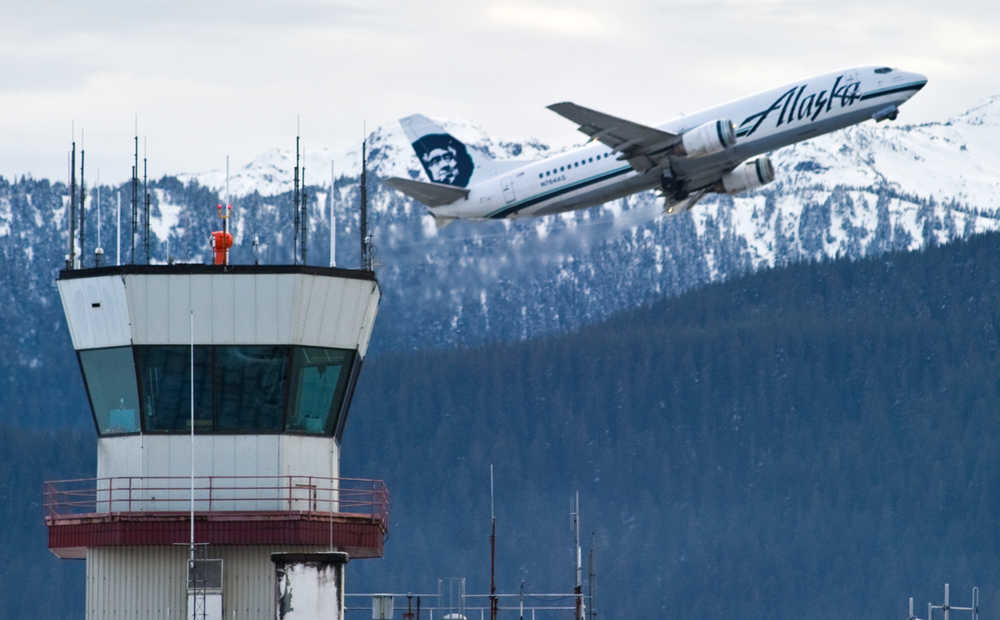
x,y
537,198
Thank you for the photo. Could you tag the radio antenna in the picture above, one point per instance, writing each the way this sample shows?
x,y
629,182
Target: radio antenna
x,y
494,600
99,251
295,195
305,215
333,221
365,263
578,589
71,260
135,190
145,193
118,227
83,204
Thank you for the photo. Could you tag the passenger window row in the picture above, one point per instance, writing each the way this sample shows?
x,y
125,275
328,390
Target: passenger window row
x,y
576,164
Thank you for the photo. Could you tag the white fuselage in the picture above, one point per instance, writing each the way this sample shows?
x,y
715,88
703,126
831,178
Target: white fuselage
x,y
594,174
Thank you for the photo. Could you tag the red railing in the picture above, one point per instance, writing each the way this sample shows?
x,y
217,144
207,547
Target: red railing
x,y
137,494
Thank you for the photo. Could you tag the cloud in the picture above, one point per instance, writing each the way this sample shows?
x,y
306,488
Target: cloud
x,y
572,22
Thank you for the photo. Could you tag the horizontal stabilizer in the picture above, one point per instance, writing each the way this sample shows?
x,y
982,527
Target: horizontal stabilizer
x,y
441,221
430,194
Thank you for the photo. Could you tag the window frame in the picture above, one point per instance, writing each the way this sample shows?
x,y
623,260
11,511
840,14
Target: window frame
x,y
334,421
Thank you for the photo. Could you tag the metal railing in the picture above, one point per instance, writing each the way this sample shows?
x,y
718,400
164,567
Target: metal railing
x,y
133,494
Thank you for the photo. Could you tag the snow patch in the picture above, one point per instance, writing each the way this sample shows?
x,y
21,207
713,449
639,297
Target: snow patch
x,y
168,218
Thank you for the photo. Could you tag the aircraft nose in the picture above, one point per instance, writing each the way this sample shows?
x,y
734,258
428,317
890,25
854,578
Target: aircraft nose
x,y
920,80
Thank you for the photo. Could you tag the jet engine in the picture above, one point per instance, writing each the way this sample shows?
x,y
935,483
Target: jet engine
x,y
747,176
706,139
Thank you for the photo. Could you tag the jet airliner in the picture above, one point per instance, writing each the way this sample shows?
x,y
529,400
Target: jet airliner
x,y
723,150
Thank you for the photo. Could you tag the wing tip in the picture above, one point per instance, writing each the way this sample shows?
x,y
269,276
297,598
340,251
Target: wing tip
x,y
559,104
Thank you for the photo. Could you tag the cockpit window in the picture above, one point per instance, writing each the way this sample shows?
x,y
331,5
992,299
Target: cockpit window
x,y
883,70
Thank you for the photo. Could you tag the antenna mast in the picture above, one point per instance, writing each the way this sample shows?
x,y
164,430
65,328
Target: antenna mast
x,y
365,263
592,586
494,600
145,192
118,228
304,218
226,213
333,221
99,251
71,261
575,517
295,197
135,190
83,204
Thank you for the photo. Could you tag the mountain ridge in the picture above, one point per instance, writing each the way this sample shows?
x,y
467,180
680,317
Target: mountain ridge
x,y
860,192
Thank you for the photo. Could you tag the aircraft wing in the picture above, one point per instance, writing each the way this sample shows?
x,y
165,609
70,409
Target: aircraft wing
x,y
643,146
431,194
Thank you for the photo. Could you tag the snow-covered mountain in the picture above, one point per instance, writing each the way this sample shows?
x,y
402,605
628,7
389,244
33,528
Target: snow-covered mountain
x,y
864,190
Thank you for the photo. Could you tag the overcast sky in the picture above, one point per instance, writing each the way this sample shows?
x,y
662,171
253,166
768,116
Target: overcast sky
x,y
214,78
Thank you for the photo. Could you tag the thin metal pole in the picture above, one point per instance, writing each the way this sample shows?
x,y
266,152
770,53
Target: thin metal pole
x,y
333,221
521,614
578,589
72,206
83,204
304,220
226,213
145,196
118,229
592,586
494,601
98,182
364,204
191,330
135,190
947,601
295,197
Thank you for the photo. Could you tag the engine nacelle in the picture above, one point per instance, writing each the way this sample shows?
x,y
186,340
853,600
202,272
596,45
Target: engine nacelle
x,y
747,176
706,139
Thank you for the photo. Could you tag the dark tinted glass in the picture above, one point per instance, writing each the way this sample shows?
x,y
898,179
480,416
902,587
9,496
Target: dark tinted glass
x,y
318,384
164,375
110,377
238,389
249,388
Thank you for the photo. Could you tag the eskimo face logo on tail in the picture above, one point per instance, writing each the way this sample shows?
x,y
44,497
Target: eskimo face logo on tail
x,y
445,159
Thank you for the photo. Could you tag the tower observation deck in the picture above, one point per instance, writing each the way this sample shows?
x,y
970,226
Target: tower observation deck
x,y
274,353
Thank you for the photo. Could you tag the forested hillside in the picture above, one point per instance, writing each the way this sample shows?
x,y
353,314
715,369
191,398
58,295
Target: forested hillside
x,y
803,443
807,442
857,193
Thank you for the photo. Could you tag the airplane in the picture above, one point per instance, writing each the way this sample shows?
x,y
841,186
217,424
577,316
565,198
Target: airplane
x,y
721,150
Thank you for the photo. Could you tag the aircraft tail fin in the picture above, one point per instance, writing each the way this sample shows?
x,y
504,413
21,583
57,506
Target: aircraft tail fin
x,y
447,160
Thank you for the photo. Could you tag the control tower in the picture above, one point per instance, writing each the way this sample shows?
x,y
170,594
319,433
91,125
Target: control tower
x,y
219,394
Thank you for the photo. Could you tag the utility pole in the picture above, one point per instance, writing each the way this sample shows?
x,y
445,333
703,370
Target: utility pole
x,y
364,222
592,585
295,197
494,600
83,203
578,589
71,261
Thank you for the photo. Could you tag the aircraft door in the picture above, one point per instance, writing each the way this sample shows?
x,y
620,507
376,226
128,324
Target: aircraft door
x,y
508,189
